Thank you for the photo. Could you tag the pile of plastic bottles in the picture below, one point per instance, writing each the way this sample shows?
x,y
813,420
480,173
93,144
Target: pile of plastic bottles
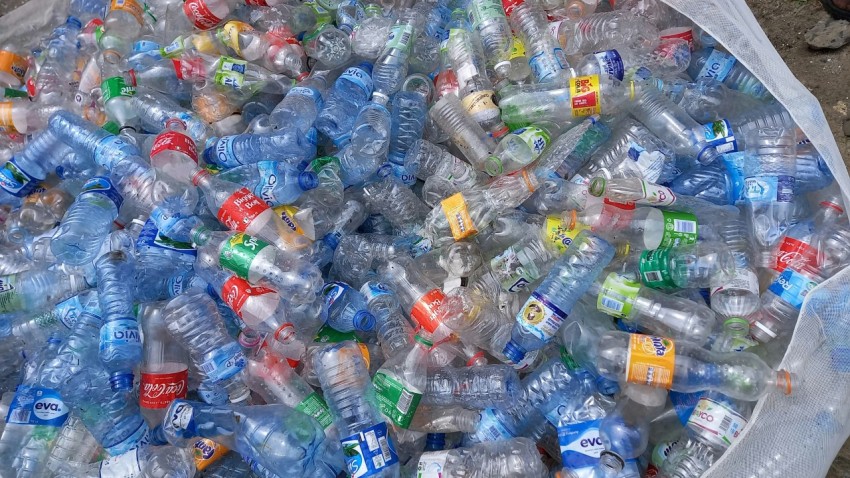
x,y
433,238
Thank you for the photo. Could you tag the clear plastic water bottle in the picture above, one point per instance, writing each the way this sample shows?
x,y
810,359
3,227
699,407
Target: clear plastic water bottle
x,y
489,386
349,93
287,144
545,56
164,368
472,141
602,31
344,378
347,309
368,147
725,68
543,313
390,68
87,222
408,123
217,356
392,328
275,182
516,457
301,105
782,301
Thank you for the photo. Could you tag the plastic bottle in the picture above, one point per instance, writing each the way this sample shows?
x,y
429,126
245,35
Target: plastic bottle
x,y
408,124
217,356
301,105
392,328
401,381
241,149
472,141
344,378
723,67
782,301
390,68
164,369
369,145
489,386
602,31
349,93
545,56
517,457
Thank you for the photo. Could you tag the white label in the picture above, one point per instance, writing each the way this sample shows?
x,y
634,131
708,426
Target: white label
x,y
744,279
717,422
432,464
122,466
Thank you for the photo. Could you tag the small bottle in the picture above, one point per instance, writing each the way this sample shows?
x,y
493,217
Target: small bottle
x,y
164,369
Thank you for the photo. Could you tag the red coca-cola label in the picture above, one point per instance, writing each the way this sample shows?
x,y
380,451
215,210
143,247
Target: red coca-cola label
x,y
509,5
240,210
680,33
158,390
175,141
199,13
235,292
426,310
795,254
256,3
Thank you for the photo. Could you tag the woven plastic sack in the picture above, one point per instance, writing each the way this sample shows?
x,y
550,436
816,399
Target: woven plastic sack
x,y
796,436
793,437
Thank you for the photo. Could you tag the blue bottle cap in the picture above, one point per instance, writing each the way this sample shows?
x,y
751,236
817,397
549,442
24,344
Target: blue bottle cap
x,y
308,180
514,352
121,381
74,22
209,155
364,321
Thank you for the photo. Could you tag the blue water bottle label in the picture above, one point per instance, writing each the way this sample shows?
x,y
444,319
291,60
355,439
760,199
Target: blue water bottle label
x,y
146,46
368,452
734,163
223,363
15,180
540,317
490,428
103,186
37,406
792,287
403,174
717,66
119,333
333,291
222,152
610,63
769,188
150,236
360,78
545,66
267,182
314,95
111,148
718,134
373,290
580,445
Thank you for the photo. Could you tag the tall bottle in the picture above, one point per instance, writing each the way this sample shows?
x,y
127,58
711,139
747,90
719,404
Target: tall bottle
x,y
87,222
513,458
469,137
164,369
347,95
725,68
344,378
390,68
401,380
488,386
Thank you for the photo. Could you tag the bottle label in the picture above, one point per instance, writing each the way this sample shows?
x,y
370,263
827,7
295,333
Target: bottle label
x,y
360,78
10,297
792,287
656,195
535,138
111,147
796,254
617,296
518,49
199,13
206,452
238,252
432,464
103,186
540,317
373,290
744,279
397,402
509,5
287,215
229,34
236,291
316,407
490,428
515,270
370,451
769,188
399,37
558,232
115,87
610,63
15,180
580,445
158,390
584,96
230,72
240,210
37,406
717,422
480,106
174,141
121,466
654,270
129,6
13,64
457,214
333,291
651,361
650,164
68,311
484,10
223,363
426,310
546,64
150,236
717,66
119,333
267,182
679,228
329,335
718,134
139,438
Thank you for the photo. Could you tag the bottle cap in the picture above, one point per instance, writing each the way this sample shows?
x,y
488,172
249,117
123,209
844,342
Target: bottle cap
x,y
308,180
513,352
493,166
364,320
597,187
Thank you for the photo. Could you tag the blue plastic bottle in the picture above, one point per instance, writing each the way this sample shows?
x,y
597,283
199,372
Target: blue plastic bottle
x,y
286,144
275,182
349,93
347,310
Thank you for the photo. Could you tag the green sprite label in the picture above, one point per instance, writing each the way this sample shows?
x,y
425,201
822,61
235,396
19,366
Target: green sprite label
x,y
230,72
114,87
238,252
316,407
617,296
679,228
329,335
10,296
654,269
396,402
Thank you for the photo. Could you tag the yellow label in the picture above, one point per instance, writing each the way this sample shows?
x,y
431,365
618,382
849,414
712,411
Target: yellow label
x,y
203,42
130,6
206,452
562,233
518,49
584,96
13,64
229,34
651,361
454,207
287,215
